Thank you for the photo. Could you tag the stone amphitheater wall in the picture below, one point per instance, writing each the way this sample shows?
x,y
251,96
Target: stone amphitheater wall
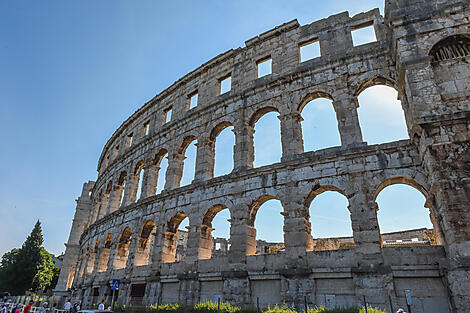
x,y
114,236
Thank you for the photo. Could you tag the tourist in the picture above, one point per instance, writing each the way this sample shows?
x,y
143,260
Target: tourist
x,y
68,305
401,311
27,309
18,308
53,308
101,306
5,308
43,307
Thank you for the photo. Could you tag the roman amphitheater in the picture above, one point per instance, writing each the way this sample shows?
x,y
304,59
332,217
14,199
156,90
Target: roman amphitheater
x,y
422,50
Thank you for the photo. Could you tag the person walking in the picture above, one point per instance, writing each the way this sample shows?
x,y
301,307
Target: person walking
x,y
101,306
68,306
401,311
43,307
27,309
53,308
18,308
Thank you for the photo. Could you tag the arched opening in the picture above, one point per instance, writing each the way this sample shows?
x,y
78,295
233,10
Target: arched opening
x,y
452,47
104,253
404,219
267,136
139,174
84,259
145,244
92,258
188,150
122,252
215,232
381,115
161,161
176,238
265,226
223,140
319,123
122,183
330,220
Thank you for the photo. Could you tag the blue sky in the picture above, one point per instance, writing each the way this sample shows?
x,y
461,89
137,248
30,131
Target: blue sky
x,y
72,72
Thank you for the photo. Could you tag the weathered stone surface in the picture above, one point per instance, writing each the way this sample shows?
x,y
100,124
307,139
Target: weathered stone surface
x,y
422,50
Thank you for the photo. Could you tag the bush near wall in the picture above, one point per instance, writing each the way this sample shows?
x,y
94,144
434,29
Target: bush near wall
x,y
212,307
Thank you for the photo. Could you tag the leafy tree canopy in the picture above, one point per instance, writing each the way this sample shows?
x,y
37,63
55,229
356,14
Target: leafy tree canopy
x,y
29,268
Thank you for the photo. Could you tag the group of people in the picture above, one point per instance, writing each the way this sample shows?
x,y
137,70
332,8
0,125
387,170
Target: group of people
x,y
71,308
18,308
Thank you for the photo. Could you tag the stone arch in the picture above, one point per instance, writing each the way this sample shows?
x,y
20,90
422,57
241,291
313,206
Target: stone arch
x,y
181,161
172,239
374,81
145,243
451,47
435,237
122,249
318,121
330,243
381,112
137,180
206,239
105,252
255,246
213,154
310,97
92,257
259,130
109,187
260,113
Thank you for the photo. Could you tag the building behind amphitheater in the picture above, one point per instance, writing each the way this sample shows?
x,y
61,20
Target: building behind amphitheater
x,y
422,50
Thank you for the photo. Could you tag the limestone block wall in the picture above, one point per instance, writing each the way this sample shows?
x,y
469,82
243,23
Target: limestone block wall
x,y
421,50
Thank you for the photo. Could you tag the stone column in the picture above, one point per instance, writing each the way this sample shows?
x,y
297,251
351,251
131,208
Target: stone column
x,y
149,181
96,210
348,121
103,206
115,199
168,250
243,151
204,159
205,242
242,236
130,191
192,249
291,135
174,171
131,253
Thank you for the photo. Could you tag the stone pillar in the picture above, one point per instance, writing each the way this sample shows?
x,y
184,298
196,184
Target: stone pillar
x,y
174,171
365,226
103,259
205,242
291,135
131,253
204,159
96,210
73,246
149,181
243,151
168,249
242,236
130,191
348,120
115,199
103,206
297,229
192,249
142,251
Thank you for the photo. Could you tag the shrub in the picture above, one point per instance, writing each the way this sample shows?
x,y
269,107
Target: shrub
x,y
210,306
277,309
344,310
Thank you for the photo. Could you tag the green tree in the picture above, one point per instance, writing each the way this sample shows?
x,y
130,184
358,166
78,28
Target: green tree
x,y
45,272
7,270
29,260
29,268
